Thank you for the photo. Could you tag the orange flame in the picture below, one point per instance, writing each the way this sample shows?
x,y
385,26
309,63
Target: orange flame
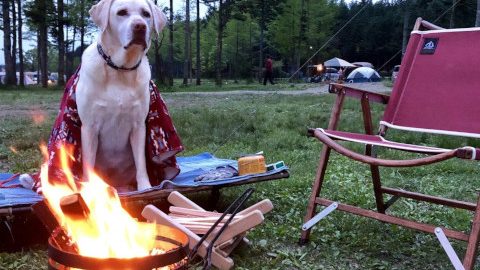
x,y
38,116
108,231
13,149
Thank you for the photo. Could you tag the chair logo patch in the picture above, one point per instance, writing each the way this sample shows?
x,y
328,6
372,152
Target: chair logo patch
x,y
429,46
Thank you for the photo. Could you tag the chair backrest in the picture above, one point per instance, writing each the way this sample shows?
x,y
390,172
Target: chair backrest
x,y
438,87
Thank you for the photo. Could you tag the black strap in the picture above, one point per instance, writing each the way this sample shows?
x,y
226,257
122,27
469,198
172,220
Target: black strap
x,y
109,61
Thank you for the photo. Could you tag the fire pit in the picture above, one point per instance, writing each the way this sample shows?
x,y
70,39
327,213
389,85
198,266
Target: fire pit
x,y
90,230
171,248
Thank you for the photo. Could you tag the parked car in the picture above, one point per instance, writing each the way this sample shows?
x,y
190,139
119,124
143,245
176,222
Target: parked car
x,y
395,71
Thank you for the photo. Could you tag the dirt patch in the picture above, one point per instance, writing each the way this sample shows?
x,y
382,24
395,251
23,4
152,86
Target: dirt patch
x,y
36,112
177,100
377,87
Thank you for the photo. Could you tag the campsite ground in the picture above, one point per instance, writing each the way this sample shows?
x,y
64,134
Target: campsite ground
x,y
231,124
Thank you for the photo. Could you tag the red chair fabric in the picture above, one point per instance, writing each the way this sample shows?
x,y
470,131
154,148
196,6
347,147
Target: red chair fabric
x,y
437,90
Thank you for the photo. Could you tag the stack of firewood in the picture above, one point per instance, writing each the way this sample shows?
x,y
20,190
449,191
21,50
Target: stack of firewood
x,y
198,221
193,220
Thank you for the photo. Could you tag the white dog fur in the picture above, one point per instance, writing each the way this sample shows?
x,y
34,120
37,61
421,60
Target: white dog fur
x,y
113,104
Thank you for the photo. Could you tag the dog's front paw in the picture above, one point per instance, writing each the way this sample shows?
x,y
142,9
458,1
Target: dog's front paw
x,y
143,184
26,181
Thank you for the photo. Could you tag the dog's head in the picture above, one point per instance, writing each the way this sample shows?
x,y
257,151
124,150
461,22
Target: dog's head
x,y
130,22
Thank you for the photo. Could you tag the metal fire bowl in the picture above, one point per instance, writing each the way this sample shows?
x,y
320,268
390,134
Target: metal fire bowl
x,y
173,241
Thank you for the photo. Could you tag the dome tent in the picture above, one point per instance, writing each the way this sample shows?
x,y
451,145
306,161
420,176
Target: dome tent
x,y
363,74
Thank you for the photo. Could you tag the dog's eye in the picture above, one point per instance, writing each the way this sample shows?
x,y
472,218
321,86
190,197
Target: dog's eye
x,y
145,14
122,12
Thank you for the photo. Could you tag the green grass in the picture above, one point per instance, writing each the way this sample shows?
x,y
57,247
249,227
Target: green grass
x,y
230,85
276,124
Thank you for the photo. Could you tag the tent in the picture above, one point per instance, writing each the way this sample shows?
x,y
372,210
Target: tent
x,y
363,64
363,74
337,62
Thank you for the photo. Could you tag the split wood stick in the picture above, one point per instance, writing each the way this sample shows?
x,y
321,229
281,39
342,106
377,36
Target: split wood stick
x,y
201,219
264,206
237,227
192,212
206,216
74,206
199,231
177,199
226,248
154,214
207,225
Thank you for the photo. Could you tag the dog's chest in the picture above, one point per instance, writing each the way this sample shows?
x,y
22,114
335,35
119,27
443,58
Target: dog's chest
x,y
120,107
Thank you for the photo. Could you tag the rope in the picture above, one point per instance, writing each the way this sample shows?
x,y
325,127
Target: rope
x,y
328,41
436,20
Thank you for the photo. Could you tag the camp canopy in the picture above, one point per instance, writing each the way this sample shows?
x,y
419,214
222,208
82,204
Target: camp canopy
x,y
337,62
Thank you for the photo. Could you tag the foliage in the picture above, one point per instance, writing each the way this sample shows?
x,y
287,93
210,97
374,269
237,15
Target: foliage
x,y
293,31
229,126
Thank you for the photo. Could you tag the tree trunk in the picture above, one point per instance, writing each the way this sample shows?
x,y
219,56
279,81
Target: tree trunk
x,y
406,28
186,57
262,34
82,25
7,45
39,52
452,15
20,44
159,65
170,47
301,34
198,66
43,38
235,65
61,44
159,70
14,40
477,20
72,53
218,62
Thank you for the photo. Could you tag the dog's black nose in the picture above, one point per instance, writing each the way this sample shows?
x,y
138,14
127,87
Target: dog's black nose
x,y
139,27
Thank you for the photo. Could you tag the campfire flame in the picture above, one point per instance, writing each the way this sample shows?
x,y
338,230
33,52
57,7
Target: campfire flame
x,y
13,149
107,230
38,116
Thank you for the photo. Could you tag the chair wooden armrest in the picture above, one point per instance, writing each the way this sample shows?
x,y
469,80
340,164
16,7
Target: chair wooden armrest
x,y
335,88
382,162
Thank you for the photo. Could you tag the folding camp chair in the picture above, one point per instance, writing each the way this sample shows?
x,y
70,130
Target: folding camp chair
x,y
435,93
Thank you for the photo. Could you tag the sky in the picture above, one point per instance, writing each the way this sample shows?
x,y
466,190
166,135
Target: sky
x,y
177,5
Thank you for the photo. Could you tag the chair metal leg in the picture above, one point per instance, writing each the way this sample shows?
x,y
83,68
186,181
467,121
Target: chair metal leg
x,y
317,186
472,246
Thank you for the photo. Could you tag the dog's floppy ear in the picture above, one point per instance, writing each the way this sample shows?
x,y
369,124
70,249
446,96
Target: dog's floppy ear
x,y
100,13
159,19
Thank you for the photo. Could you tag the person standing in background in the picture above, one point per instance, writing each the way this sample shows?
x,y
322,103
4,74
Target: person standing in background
x,y
268,71
341,75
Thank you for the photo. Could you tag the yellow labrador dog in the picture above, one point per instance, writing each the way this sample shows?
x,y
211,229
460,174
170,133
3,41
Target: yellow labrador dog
x,y
113,90
113,96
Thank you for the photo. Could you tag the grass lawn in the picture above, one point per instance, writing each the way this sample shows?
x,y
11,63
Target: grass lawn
x,y
229,126
208,85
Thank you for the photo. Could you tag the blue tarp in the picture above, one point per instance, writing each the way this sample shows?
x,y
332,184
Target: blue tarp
x,y
190,167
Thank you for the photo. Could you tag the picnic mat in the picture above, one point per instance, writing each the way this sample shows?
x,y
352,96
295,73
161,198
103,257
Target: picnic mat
x,y
190,167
